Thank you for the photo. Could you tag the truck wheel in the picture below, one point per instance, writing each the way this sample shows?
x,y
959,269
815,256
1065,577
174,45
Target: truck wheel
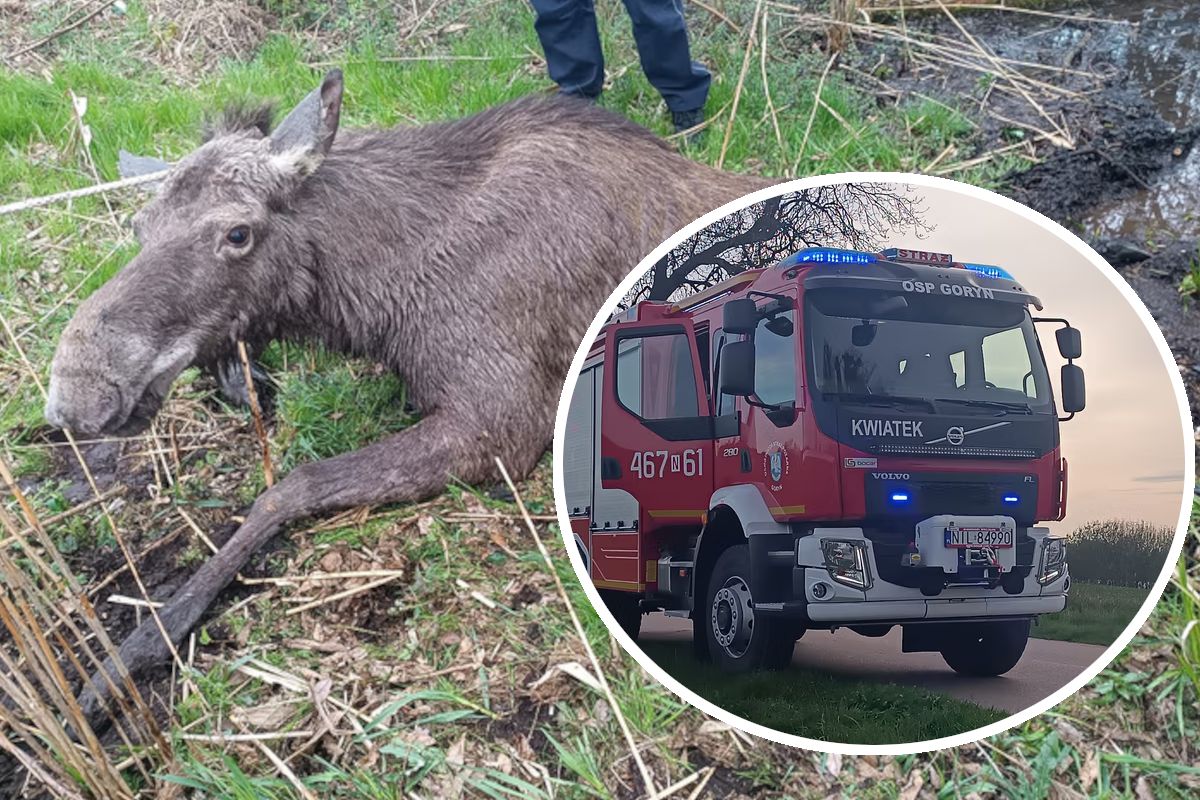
x,y
627,608
986,649
738,639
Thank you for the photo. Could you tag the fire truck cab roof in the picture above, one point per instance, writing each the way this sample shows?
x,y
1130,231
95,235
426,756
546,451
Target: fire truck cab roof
x,y
895,269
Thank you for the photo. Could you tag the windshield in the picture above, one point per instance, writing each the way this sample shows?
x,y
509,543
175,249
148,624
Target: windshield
x,y
872,346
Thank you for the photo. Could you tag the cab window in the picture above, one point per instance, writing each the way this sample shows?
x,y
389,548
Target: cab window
x,y
1006,359
655,376
775,359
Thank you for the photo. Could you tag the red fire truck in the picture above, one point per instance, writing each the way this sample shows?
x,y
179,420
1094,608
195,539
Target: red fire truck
x,y
843,439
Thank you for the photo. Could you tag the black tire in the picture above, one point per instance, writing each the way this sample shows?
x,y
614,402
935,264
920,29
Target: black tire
x,y
985,649
739,641
627,608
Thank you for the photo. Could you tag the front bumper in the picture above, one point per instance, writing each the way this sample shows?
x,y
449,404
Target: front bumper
x,y
886,602
816,596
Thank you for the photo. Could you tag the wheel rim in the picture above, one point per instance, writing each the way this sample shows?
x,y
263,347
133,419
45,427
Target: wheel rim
x,y
732,617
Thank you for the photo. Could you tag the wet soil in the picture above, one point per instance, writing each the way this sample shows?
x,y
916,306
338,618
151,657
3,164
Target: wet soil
x,y
167,550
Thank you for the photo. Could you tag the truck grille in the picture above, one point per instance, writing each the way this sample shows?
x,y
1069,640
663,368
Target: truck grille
x,y
957,498
944,450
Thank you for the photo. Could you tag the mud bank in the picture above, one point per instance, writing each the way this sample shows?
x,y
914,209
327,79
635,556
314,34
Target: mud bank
x,y
1106,106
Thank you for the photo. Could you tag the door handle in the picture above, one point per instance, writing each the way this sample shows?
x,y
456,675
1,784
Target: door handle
x,y
610,470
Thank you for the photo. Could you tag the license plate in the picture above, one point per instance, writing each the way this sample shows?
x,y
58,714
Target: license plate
x,y
979,537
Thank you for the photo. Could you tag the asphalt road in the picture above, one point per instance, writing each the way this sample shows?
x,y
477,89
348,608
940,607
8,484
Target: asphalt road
x,y
1046,666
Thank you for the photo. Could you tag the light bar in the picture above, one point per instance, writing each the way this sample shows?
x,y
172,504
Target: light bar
x,y
837,255
832,255
989,271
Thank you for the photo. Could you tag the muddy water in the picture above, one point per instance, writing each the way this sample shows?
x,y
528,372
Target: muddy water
x,y
1159,53
1163,55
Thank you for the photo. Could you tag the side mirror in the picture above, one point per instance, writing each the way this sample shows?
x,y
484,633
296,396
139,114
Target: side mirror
x,y
1070,345
740,316
737,368
1073,395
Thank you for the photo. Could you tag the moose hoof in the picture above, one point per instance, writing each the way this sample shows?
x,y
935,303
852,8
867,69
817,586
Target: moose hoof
x,y
231,382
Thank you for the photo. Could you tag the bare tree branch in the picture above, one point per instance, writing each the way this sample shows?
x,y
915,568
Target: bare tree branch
x,y
860,216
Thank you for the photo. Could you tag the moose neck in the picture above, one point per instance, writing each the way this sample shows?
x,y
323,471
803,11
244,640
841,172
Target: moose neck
x,y
374,216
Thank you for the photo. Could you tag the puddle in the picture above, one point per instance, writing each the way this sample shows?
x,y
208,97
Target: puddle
x,y
1163,210
1161,57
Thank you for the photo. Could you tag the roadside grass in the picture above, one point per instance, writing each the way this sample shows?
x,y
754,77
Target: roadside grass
x,y
454,673
1095,614
1119,551
818,705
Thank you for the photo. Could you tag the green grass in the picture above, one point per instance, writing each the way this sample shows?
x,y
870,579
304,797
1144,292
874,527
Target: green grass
x,y
1095,614
335,407
822,706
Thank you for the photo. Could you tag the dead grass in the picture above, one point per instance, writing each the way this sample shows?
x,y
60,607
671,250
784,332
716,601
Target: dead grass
x,y
180,35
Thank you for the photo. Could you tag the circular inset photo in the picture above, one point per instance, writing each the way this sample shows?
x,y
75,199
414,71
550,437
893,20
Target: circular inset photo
x,y
873,463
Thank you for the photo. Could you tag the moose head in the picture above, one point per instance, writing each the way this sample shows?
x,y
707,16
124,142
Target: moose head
x,y
219,254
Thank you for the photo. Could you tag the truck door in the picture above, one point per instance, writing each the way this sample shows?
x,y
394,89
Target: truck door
x,y
767,447
776,437
655,448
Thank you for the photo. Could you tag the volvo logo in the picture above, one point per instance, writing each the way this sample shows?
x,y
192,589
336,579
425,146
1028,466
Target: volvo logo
x,y
955,434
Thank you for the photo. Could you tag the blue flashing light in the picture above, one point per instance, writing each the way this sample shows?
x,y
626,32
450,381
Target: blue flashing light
x,y
900,497
831,255
1011,499
989,271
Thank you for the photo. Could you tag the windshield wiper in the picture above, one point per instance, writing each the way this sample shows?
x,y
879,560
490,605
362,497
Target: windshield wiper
x,y
1024,408
892,400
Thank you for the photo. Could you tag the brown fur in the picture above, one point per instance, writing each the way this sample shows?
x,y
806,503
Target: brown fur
x,y
468,256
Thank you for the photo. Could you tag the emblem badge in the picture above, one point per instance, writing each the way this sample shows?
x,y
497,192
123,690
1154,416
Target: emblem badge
x,y
775,464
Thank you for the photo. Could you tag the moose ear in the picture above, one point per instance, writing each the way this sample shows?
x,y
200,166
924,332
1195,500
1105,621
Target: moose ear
x,y
131,166
306,133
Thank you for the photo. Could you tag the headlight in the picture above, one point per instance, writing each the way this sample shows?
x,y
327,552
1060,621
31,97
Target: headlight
x,y
846,562
1054,560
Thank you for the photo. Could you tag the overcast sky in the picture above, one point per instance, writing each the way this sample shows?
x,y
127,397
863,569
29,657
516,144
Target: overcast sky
x,y
1125,450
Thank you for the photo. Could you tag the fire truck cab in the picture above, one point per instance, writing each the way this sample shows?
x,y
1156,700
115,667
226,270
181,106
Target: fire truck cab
x,y
843,439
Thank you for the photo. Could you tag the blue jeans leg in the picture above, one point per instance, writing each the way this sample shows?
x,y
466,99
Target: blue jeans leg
x,y
571,42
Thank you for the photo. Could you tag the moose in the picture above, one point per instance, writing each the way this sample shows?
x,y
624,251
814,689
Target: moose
x,y
468,256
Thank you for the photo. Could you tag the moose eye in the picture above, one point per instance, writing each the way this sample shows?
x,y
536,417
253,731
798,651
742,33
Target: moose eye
x,y
238,236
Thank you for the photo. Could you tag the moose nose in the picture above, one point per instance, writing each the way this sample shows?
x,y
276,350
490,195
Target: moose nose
x,y
82,412
53,415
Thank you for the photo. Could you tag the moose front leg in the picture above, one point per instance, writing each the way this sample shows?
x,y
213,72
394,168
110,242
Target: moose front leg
x,y
411,465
